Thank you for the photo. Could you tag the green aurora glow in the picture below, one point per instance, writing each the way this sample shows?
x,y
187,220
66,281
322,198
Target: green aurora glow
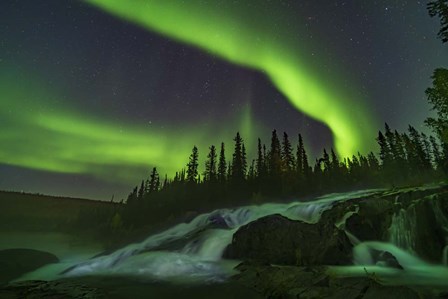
x,y
43,133
59,139
217,29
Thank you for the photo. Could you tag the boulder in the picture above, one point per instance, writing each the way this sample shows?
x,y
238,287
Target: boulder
x,y
16,262
278,240
372,220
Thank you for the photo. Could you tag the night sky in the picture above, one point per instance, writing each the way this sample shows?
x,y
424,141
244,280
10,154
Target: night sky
x,y
95,93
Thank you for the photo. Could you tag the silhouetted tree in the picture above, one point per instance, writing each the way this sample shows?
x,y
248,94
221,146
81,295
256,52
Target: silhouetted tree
x,y
222,166
260,160
436,153
439,8
133,196
141,191
286,154
238,163
154,182
275,160
210,165
438,99
192,166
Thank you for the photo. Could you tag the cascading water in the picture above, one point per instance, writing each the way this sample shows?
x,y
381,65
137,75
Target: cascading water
x,y
194,250
395,263
402,229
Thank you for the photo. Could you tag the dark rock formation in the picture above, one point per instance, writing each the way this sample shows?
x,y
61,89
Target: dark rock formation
x,y
16,262
372,220
279,240
315,282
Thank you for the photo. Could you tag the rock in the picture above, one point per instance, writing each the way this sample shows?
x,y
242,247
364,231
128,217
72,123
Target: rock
x,y
313,283
366,225
16,262
429,235
36,289
278,240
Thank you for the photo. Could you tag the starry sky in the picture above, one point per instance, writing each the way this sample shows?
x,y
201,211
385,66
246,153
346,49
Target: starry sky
x,y
95,93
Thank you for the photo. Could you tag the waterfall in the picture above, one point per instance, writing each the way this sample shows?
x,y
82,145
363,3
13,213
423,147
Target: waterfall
x,y
402,229
195,249
414,272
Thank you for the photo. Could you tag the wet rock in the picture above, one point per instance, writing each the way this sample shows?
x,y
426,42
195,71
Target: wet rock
x,y
430,236
278,240
372,220
16,262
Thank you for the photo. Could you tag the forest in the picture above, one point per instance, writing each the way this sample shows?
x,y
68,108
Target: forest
x,y
283,171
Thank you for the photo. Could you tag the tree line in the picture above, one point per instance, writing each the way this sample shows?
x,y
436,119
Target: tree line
x,y
281,170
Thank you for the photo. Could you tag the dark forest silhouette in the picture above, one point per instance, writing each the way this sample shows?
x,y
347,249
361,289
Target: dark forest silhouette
x,y
282,171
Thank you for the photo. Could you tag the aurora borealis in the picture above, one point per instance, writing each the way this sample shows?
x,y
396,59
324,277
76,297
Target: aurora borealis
x,y
102,90
210,28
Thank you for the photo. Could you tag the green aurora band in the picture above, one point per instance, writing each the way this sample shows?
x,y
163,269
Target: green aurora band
x,y
222,29
39,133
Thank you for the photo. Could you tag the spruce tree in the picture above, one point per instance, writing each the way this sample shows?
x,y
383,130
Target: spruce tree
x,y
192,166
210,165
133,196
436,153
260,160
154,181
286,154
222,165
141,191
275,161
238,163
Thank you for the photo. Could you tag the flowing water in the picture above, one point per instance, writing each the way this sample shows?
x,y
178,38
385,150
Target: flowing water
x,y
192,252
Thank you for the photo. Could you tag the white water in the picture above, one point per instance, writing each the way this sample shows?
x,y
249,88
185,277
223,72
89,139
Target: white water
x,y
403,228
196,248
415,272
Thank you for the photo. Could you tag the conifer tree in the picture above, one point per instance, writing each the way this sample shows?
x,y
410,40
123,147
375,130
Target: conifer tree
x,y
210,165
192,166
154,181
133,196
437,155
222,166
260,160
286,154
299,157
326,160
165,181
238,163
385,152
420,160
275,161
141,191
439,8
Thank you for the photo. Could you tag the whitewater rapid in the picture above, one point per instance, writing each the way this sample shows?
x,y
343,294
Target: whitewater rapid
x,y
192,252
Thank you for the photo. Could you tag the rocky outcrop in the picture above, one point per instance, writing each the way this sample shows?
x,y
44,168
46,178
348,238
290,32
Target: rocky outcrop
x,y
315,282
16,262
415,219
278,240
